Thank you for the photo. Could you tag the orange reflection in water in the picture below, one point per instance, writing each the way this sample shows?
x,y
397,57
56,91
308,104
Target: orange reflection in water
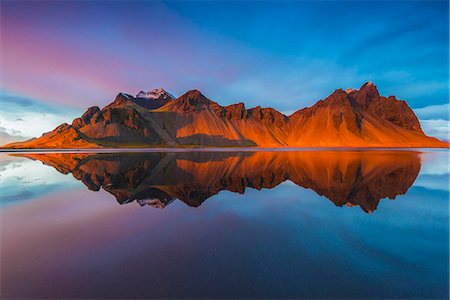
x,y
350,178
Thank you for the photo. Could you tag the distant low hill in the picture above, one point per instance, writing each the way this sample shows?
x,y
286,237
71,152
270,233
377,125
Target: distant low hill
x,y
350,118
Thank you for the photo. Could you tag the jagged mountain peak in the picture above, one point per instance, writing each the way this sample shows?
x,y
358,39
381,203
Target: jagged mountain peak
x,y
122,99
123,96
367,94
349,90
193,94
150,100
155,94
194,98
339,98
191,101
369,87
239,105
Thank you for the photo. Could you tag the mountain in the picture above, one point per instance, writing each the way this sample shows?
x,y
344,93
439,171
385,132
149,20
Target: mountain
x,y
358,117
350,118
352,178
153,99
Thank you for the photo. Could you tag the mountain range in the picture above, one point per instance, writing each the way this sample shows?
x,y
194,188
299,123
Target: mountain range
x,y
346,118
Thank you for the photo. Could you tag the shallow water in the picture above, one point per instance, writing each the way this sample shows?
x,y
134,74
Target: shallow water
x,y
271,224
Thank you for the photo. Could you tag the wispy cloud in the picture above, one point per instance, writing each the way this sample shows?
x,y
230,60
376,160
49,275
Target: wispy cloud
x,y
285,55
5,100
9,135
434,112
22,118
437,128
435,120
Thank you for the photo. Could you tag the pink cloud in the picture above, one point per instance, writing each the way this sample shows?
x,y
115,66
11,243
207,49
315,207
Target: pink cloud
x,y
64,67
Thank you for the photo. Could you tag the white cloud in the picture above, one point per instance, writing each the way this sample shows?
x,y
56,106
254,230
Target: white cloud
x,y
9,135
433,112
22,118
34,124
437,128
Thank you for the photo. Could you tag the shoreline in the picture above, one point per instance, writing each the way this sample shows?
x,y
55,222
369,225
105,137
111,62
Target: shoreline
x,y
214,149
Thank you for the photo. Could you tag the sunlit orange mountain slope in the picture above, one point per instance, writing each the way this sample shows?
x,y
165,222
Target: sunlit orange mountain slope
x,y
351,118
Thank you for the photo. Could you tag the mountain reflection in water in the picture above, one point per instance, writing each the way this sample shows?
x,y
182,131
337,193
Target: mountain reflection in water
x,y
344,177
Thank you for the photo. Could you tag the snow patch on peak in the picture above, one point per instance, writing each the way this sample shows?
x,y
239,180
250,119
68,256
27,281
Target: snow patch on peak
x,y
155,94
349,90
125,95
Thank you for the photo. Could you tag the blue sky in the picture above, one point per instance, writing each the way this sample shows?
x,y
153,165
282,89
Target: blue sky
x,y
65,56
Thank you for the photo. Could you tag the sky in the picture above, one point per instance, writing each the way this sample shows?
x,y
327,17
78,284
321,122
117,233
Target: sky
x,y
58,58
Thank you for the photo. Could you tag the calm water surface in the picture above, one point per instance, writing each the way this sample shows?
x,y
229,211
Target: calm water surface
x,y
305,224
